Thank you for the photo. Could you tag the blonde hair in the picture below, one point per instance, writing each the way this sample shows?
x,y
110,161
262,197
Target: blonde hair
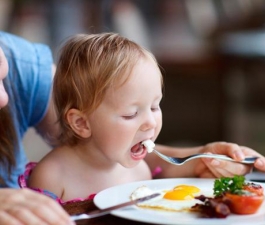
x,y
87,67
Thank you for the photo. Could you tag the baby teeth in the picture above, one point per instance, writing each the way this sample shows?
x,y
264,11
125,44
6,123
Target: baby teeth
x,y
149,145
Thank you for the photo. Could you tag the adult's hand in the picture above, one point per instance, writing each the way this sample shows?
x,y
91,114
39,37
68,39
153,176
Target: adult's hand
x,y
209,168
26,207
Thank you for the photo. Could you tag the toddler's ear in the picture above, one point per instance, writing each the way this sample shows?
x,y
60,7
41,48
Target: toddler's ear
x,y
78,122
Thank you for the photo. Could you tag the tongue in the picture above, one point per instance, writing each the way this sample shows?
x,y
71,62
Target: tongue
x,y
137,149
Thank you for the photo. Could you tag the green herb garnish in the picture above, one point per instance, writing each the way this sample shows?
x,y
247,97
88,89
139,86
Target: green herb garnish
x,y
227,184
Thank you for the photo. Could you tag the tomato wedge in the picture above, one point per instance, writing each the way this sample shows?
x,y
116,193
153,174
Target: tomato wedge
x,y
243,204
254,188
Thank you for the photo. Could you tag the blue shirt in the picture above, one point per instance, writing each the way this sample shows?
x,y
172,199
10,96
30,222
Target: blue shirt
x,y
28,87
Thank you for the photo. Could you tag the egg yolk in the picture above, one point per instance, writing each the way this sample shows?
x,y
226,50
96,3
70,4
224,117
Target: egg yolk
x,y
188,188
182,192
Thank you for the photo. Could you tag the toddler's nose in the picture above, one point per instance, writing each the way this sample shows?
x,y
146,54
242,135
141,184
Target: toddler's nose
x,y
149,123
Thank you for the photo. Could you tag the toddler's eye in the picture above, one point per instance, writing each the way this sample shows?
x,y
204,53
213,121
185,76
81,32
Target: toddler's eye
x,y
155,108
128,117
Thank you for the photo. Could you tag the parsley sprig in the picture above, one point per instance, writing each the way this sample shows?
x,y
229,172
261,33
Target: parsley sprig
x,y
227,184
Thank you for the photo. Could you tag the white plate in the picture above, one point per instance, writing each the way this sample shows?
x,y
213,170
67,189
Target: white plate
x,y
121,193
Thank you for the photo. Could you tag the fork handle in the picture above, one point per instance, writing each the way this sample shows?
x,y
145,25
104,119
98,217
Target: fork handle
x,y
247,160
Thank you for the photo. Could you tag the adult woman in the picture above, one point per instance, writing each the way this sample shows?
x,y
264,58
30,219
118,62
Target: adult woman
x,y
25,80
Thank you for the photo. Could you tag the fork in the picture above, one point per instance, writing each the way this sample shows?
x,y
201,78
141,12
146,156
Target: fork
x,y
181,161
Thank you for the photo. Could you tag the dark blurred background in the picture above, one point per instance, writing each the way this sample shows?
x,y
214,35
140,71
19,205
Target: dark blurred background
x,y
212,53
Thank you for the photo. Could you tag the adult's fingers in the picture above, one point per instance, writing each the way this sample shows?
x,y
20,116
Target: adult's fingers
x,y
50,212
24,216
30,207
226,168
7,219
230,149
260,162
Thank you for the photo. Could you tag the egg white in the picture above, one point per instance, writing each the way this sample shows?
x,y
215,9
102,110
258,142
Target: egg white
x,y
162,203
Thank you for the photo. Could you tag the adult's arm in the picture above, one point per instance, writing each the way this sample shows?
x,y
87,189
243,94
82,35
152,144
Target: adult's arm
x,y
205,167
47,127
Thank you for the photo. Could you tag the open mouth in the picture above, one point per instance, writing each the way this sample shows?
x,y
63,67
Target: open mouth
x,y
138,151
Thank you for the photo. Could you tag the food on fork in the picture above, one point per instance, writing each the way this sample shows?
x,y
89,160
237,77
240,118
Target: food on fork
x,y
149,144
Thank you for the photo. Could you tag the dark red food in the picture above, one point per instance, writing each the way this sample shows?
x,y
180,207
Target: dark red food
x,y
212,207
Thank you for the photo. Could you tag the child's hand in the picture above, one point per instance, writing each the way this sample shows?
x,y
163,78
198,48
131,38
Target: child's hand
x,y
209,168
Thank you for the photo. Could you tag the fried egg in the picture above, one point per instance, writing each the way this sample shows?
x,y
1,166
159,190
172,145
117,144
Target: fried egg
x,y
179,198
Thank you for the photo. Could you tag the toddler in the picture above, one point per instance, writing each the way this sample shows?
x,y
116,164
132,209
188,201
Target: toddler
x,y
107,92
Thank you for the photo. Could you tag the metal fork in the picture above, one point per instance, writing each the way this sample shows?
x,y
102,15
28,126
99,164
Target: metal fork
x,y
180,161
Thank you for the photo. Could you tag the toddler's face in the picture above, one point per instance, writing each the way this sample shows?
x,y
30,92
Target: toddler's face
x,y
3,73
128,115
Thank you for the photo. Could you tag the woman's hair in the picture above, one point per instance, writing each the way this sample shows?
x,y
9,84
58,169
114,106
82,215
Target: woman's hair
x,y
87,67
8,141
8,137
